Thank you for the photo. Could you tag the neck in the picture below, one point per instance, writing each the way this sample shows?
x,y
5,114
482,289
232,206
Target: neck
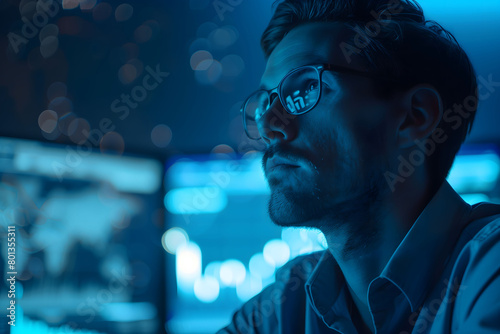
x,y
364,241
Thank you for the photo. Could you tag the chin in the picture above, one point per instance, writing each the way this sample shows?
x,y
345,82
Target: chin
x,y
289,209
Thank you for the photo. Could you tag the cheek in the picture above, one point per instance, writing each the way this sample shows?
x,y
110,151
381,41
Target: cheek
x,y
336,151
354,150
332,135
369,125
372,140
376,138
348,134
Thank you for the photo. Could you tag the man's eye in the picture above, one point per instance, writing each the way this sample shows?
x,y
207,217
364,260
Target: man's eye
x,y
311,86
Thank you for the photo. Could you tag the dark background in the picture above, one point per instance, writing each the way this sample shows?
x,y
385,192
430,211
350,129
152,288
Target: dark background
x,y
99,58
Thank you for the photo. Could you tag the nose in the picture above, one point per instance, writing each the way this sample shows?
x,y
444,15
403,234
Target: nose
x,y
276,124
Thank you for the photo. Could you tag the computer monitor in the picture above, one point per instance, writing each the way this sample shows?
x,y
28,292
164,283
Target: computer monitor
x,y
88,253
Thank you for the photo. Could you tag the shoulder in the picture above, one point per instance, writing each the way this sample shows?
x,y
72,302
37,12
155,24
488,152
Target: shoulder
x,y
484,224
280,301
477,252
478,262
291,278
299,268
483,249
476,283
489,233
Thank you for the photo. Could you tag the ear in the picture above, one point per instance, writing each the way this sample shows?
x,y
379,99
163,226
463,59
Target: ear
x,y
423,110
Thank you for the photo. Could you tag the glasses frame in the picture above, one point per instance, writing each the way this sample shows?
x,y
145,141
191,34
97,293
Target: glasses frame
x,y
319,68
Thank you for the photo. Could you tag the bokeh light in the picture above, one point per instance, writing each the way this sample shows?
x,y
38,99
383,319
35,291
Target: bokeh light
x,y
206,28
223,37
102,11
276,252
78,130
143,33
232,65
222,149
188,265
201,60
49,46
87,4
51,136
213,269
161,135
259,267
70,4
123,12
232,272
173,238
248,288
211,75
154,26
48,30
61,105
27,8
127,73
206,289
112,142
139,66
200,44
47,121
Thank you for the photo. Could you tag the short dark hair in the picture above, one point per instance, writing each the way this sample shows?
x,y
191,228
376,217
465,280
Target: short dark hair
x,y
396,41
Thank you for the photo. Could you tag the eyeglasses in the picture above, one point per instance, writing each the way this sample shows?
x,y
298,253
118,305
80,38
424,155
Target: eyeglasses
x,y
299,92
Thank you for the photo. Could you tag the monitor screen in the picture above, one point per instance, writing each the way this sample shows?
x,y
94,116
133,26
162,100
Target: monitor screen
x,y
88,254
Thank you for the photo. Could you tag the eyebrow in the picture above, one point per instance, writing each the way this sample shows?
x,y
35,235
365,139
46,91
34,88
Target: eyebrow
x,y
335,74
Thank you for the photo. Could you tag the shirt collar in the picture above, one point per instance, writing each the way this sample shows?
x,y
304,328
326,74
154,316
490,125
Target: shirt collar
x,y
413,268
422,255
327,292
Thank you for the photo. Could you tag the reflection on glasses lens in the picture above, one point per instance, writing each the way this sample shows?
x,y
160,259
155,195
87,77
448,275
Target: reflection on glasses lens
x,y
299,93
300,90
255,107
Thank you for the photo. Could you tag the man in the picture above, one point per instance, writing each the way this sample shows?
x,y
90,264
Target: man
x,y
363,106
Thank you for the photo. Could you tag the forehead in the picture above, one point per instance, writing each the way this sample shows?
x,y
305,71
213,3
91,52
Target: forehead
x,y
311,43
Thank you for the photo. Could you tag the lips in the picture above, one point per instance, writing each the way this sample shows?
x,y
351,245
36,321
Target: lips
x,y
280,162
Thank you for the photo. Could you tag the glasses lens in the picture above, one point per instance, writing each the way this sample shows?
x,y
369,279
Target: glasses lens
x,y
254,108
300,90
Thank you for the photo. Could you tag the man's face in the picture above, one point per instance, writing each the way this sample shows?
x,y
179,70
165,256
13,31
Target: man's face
x,y
334,155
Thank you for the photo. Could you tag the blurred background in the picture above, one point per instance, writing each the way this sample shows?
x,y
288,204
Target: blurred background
x,y
139,204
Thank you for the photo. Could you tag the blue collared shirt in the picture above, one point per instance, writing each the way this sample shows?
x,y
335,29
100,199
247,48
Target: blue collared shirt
x,y
444,277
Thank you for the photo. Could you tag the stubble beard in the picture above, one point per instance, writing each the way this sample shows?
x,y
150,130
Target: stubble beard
x,y
317,206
